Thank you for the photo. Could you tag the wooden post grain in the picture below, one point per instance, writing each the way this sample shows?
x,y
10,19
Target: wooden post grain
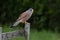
x,y
27,31
0,33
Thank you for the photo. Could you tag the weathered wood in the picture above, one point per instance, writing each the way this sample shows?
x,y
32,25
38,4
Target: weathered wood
x,y
9,35
27,31
0,33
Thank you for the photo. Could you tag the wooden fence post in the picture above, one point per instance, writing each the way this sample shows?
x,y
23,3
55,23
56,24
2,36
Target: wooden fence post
x,y
27,31
0,33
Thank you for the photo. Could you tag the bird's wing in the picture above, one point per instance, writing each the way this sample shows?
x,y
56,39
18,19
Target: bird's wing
x,y
22,15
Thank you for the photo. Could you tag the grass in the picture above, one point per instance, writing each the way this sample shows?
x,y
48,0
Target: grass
x,y
34,35
18,38
43,35
6,28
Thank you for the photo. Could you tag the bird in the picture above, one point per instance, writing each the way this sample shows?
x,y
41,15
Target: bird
x,y
23,17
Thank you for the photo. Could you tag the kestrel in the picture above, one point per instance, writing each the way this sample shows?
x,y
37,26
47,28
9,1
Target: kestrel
x,y
24,17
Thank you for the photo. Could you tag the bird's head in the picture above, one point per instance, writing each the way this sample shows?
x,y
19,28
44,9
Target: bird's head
x,y
30,10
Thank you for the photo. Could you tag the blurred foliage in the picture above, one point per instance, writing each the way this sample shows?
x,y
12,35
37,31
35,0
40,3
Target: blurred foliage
x,y
46,12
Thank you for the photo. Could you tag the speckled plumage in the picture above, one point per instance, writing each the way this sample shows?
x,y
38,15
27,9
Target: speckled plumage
x,y
24,17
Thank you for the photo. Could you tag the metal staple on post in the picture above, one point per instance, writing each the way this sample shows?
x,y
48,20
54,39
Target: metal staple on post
x,y
27,31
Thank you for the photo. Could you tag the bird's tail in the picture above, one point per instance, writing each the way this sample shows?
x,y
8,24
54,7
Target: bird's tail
x,y
16,23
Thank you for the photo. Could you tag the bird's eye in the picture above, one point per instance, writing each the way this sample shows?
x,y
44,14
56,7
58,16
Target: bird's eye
x,y
30,9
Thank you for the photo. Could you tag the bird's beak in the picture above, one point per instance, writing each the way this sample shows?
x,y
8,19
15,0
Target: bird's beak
x,y
32,10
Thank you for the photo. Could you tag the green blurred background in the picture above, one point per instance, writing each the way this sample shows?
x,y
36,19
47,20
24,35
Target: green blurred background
x,y
46,17
46,13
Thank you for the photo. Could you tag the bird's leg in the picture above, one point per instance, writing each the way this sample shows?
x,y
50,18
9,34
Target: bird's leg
x,y
26,22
